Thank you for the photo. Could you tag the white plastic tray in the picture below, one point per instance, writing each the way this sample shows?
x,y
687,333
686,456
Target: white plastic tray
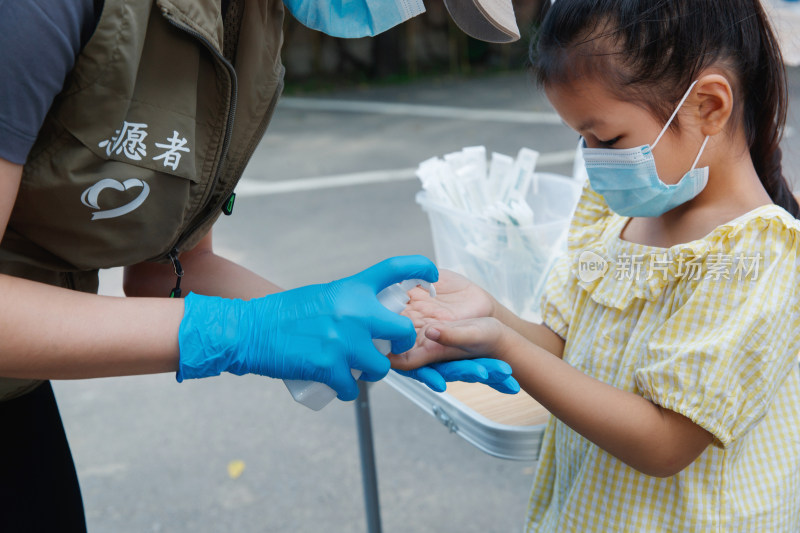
x,y
513,425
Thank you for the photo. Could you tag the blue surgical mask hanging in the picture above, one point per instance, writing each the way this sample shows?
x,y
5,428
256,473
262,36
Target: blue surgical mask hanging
x,y
628,181
352,19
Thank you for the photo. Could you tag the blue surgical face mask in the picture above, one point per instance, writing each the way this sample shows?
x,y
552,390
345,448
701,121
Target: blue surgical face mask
x,y
352,19
628,181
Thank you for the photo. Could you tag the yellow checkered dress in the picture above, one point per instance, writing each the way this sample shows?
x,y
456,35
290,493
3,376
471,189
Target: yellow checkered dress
x,y
709,329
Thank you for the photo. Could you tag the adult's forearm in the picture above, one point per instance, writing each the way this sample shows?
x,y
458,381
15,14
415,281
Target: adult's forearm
x,y
213,275
52,333
204,273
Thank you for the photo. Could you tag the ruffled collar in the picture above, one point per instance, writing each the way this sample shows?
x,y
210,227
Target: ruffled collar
x,y
640,271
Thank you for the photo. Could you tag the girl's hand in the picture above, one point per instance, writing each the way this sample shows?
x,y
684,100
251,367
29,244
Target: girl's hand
x,y
447,341
457,298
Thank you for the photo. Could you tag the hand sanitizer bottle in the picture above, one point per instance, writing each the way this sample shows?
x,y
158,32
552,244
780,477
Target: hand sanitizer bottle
x,y
315,395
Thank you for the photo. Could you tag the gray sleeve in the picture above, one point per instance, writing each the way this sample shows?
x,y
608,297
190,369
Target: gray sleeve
x,y
39,41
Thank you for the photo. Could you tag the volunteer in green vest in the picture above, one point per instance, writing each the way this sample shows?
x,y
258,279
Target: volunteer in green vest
x,y
124,127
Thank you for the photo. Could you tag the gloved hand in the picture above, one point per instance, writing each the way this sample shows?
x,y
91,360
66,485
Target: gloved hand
x,y
313,333
491,372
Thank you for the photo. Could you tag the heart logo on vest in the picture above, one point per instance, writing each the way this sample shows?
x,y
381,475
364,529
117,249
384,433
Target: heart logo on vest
x,y
90,197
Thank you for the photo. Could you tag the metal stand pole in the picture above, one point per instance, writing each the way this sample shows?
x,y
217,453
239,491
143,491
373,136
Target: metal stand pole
x,y
369,473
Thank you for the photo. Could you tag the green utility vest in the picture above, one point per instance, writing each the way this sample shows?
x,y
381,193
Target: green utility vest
x,y
141,150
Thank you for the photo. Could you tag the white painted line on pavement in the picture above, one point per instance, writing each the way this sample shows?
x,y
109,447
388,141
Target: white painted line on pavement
x,y
414,110
253,187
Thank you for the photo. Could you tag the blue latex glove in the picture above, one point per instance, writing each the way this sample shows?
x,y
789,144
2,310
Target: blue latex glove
x,y
313,333
491,372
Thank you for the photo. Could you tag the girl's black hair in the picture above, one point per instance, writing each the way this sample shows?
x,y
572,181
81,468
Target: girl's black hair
x,y
652,50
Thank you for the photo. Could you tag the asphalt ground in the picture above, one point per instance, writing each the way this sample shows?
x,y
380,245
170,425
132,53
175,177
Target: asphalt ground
x,y
329,191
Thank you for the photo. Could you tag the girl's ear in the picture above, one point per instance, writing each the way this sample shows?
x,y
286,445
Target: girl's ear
x,y
714,103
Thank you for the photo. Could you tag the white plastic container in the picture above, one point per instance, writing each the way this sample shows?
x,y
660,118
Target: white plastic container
x,y
511,262
315,395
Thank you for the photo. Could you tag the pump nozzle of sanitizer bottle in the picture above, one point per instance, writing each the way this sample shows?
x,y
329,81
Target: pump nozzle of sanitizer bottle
x,y
316,395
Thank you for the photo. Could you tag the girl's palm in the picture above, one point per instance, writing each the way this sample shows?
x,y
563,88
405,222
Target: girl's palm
x,y
457,298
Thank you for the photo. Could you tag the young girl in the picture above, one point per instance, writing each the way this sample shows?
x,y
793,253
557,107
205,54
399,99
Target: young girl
x,y
672,374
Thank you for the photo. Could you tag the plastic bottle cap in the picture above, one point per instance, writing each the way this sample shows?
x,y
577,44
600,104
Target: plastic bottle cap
x,y
395,297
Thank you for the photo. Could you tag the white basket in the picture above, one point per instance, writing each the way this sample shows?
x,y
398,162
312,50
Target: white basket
x,y
511,262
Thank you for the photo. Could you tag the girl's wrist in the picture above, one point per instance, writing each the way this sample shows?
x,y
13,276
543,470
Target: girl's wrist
x,y
508,343
499,312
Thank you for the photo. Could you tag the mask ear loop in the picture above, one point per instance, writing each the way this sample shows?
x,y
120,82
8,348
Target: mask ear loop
x,y
697,159
685,96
